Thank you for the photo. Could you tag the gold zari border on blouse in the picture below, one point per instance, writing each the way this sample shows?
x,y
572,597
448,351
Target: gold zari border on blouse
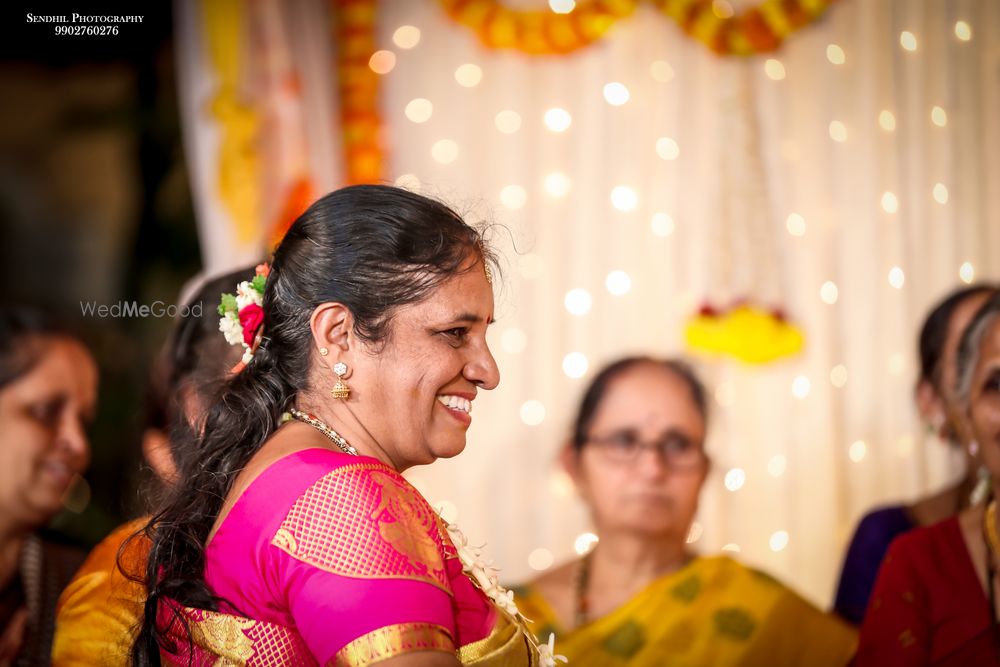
x,y
505,645
393,640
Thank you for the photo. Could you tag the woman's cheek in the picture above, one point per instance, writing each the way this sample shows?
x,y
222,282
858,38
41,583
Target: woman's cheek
x,y
986,419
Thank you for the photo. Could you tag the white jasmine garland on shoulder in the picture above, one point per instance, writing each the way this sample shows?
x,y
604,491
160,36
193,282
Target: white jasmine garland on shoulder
x,y
547,652
485,575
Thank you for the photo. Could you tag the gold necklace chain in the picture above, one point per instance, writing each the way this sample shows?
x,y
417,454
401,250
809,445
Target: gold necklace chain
x,y
320,426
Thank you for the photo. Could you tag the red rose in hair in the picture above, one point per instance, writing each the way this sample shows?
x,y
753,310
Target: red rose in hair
x,y
251,317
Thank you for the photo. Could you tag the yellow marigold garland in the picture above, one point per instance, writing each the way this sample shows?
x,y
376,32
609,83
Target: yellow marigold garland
x,y
758,29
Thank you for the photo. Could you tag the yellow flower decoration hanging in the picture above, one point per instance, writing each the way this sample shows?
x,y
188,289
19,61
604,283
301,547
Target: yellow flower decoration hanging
x,y
745,332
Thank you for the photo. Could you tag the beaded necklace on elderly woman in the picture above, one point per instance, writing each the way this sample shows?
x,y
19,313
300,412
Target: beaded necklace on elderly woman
x,y
581,608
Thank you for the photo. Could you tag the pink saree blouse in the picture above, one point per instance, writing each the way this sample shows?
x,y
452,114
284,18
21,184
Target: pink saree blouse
x,y
333,559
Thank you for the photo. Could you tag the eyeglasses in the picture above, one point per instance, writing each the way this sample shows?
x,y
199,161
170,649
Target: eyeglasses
x,y
677,450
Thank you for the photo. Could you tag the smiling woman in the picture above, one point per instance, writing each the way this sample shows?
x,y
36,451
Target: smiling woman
x,y
48,386
294,531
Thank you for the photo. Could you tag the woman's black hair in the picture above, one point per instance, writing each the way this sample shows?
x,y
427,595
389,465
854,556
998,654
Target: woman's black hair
x,y
372,248
934,331
598,388
195,358
20,328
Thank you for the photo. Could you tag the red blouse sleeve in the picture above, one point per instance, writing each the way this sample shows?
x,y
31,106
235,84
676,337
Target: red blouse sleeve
x,y
363,567
896,629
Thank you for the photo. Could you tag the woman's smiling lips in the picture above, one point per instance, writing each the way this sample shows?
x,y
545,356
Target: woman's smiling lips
x,y
458,405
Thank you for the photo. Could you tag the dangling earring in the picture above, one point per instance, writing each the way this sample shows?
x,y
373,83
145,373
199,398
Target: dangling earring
x,y
323,351
983,479
934,425
340,390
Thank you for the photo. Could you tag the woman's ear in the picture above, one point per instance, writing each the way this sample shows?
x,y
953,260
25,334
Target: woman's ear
x,y
957,428
931,407
332,327
569,459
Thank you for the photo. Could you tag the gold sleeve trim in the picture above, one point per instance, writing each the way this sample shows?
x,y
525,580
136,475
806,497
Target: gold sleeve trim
x,y
393,640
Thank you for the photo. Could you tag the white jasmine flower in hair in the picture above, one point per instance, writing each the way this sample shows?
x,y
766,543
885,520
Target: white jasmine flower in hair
x,y
230,326
246,294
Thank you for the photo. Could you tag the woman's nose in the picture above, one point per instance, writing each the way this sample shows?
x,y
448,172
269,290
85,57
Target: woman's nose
x,y
72,438
652,461
482,369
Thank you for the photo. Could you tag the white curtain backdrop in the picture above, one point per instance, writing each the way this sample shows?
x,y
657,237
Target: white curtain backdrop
x,y
287,84
777,187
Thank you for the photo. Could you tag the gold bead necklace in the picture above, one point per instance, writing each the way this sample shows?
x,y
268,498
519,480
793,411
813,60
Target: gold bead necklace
x,y
320,426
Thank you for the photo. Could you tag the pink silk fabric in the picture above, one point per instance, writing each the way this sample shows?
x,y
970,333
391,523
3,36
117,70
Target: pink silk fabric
x,y
326,550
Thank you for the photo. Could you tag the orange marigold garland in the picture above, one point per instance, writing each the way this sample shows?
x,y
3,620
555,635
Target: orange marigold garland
x,y
539,32
300,195
354,26
758,29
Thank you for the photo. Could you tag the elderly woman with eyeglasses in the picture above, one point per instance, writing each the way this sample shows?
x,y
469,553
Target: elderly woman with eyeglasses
x,y
640,597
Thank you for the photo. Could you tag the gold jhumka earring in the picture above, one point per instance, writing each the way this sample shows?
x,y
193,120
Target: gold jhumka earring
x,y
340,390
